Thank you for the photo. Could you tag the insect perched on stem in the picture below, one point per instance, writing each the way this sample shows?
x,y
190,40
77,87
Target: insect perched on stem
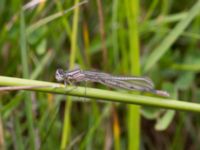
x,y
129,83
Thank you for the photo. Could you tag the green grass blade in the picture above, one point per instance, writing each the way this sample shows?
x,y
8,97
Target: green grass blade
x,y
96,124
106,95
68,104
19,143
171,37
134,58
24,57
50,18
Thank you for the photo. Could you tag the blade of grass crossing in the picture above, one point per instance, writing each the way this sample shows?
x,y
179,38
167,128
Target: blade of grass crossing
x,y
50,18
172,37
115,32
115,53
132,8
96,124
64,18
66,128
116,128
24,58
19,143
151,9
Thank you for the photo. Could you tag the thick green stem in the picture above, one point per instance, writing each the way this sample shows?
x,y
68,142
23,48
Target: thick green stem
x,y
104,95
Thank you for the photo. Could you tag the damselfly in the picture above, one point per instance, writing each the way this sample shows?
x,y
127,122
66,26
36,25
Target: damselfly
x,y
129,83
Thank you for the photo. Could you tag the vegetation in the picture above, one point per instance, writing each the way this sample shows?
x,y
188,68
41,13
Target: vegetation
x,y
158,39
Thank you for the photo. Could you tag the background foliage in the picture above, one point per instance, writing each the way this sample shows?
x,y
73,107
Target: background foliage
x,y
158,39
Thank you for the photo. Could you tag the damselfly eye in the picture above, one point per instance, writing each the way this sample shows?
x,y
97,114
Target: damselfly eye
x,y
59,71
59,75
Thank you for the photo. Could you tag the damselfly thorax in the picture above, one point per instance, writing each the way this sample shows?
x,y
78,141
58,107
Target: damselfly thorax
x,y
69,76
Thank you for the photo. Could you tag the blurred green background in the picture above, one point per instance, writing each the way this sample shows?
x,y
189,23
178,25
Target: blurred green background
x,y
158,39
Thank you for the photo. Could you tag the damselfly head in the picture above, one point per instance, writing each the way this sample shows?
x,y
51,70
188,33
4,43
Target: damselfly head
x,y
60,75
